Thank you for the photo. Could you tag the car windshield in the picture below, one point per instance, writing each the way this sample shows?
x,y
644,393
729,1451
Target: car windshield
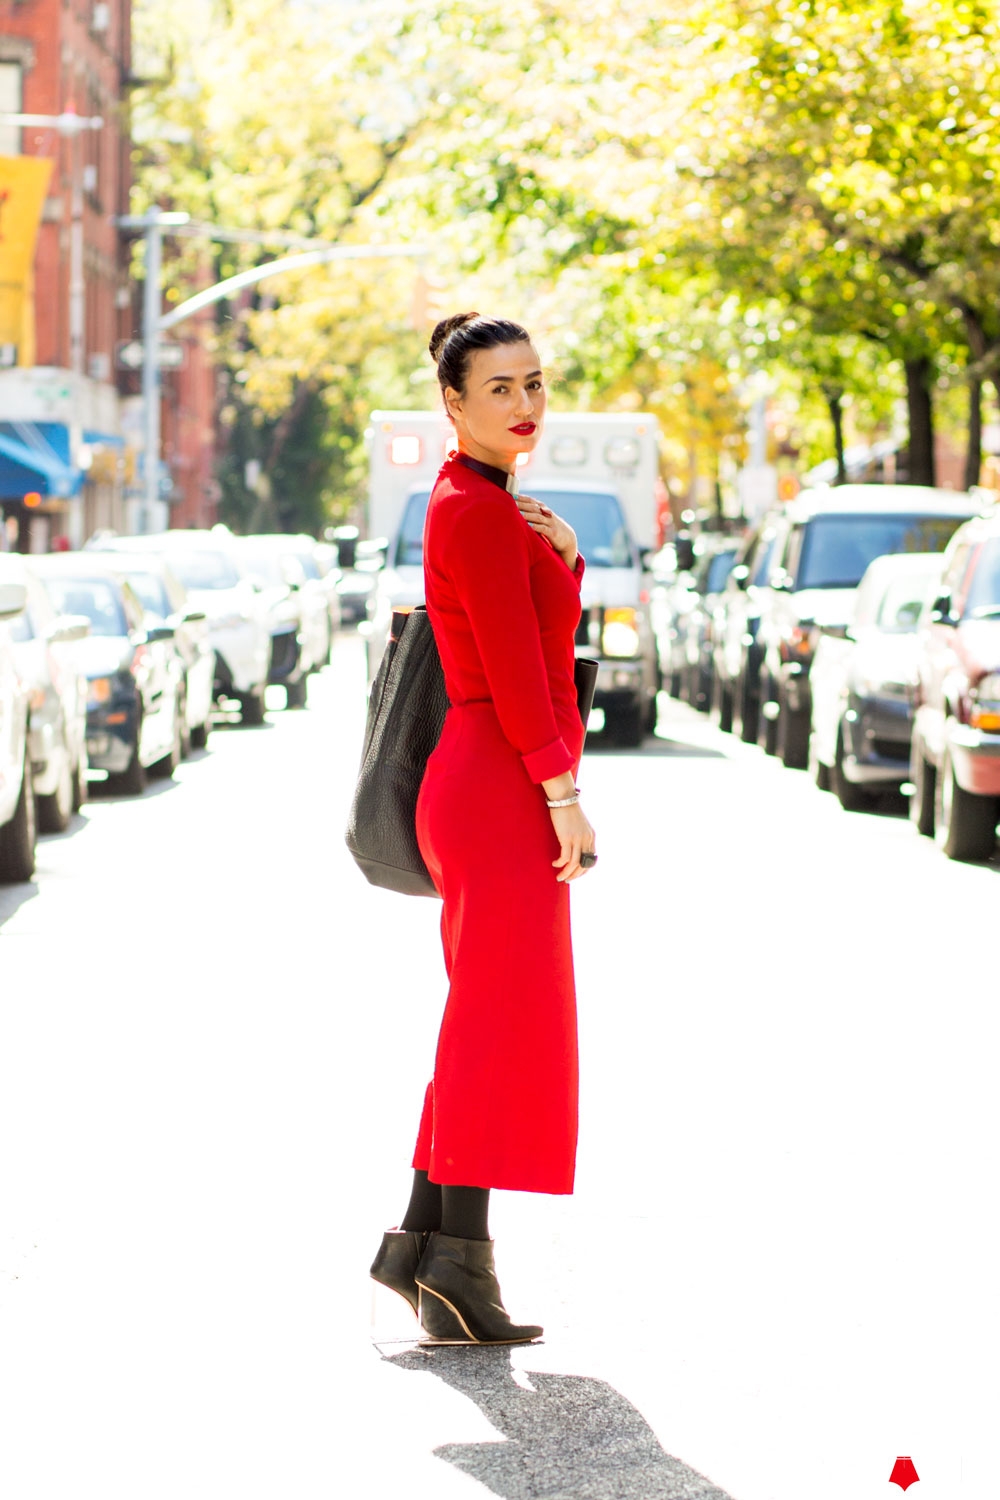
x,y
904,598
838,548
204,570
93,597
263,565
594,515
718,568
984,590
152,592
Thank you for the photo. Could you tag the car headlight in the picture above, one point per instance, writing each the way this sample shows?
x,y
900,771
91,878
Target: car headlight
x,y
620,635
98,691
985,703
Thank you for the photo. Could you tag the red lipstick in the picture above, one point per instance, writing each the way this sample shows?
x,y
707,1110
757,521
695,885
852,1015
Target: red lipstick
x,y
523,429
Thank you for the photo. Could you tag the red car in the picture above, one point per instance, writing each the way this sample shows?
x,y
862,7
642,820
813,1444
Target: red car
x,y
955,756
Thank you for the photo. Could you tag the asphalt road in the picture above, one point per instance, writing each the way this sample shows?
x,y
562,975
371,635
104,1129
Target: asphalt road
x,y
778,1273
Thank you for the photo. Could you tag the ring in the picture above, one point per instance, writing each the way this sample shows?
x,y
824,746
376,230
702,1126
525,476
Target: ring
x,y
588,861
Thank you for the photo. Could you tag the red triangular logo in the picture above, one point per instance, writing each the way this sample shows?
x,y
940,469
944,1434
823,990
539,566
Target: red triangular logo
x,y
903,1473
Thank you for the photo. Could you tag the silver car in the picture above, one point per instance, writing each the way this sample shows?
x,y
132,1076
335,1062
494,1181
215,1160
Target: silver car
x,y
51,670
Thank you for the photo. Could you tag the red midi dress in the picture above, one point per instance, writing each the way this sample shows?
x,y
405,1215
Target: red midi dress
x,y
501,1110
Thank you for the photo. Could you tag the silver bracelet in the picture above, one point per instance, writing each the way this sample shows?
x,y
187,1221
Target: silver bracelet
x,y
565,801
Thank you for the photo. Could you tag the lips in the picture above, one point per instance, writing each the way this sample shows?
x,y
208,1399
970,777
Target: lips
x,y
523,429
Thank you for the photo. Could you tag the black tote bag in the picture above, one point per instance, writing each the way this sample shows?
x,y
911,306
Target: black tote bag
x,y
406,712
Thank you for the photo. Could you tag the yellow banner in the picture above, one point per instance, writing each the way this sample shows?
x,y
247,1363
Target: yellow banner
x,y
24,181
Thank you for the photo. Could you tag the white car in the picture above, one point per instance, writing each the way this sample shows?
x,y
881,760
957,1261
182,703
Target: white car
x,y
17,801
217,583
297,605
51,671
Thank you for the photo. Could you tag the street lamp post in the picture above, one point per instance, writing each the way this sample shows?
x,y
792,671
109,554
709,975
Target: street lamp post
x,y
152,224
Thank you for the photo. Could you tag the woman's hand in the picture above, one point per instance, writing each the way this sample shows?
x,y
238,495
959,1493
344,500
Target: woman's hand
x,y
575,837
557,532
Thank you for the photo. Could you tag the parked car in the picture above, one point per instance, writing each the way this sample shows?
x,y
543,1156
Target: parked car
x,y
322,575
955,755
676,601
297,619
825,541
17,800
737,655
50,669
238,627
863,678
135,677
165,601
700,623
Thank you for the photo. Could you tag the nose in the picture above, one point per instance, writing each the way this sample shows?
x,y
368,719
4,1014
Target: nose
x,y
525,403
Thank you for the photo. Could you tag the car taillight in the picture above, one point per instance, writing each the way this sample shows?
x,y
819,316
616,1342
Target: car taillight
x,y
800,641
140,658
984,703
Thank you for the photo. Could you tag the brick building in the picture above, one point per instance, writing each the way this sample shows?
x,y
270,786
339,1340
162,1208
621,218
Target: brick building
x,y
68,419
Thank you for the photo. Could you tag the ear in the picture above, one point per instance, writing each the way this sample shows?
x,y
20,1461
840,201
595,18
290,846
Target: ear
x,y
452,402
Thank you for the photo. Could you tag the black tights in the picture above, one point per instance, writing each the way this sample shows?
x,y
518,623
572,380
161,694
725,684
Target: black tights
x,y
459,1211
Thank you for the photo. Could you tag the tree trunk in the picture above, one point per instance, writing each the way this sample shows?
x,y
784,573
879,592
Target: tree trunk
x,y
835,402
920,411
974,450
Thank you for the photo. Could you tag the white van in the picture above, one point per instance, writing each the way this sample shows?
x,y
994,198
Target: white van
x,y
601,472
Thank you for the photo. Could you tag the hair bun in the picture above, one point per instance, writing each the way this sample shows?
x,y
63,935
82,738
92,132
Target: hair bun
x,y
445,329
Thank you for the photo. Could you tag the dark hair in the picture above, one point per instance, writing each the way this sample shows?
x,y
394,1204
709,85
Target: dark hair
x,y
456,339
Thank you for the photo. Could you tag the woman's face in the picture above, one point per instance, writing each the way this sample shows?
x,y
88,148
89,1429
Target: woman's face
x,y
501,411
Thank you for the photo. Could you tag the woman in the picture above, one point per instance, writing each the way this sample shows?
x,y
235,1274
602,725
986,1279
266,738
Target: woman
x,y
503,834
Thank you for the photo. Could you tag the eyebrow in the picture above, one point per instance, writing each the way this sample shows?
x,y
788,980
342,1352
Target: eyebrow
x,y
530,376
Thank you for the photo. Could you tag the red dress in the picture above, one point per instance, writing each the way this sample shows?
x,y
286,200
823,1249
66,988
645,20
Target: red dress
x,y
501,1110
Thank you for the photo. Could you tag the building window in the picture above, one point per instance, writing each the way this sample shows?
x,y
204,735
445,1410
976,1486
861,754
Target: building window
x,y
10,104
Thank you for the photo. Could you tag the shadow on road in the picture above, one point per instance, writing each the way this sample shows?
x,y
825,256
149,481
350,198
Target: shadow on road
x,y
13,897
564,1437
650,749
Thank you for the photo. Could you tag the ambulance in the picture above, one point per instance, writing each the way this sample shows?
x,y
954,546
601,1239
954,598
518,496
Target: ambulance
x,y
601,472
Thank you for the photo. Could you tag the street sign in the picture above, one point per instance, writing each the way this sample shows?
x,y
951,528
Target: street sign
x,y
129,356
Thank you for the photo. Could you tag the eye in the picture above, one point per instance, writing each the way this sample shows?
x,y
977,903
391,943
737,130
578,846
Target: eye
x,y
534,385
499,390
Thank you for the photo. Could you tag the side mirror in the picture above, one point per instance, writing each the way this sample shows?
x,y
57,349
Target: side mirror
x,y
941,611
69,628
684,552
740,575
347,551
645,553
159,633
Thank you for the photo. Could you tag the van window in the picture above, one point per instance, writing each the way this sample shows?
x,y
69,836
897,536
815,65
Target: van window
x,y
838,548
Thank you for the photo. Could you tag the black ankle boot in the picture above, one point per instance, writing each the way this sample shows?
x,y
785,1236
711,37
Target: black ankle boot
x,y
460,1296
397,1260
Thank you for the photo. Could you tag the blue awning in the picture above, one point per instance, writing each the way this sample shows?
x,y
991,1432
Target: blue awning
x,y
35,457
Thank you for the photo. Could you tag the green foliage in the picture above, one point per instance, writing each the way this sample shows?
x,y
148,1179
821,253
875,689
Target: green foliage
x,y
679,198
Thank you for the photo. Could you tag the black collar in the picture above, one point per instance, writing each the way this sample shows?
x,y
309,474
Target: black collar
x,y
499,477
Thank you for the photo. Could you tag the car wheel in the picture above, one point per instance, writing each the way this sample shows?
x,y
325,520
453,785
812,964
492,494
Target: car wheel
x,y
252,707
199,735
169,763
818,769
674,683
17,838
851,798
924,792
182,709
295,693
767,726
651,715
132,781
748,710
79,783
722,701
624,725
793,738
56,809
965,825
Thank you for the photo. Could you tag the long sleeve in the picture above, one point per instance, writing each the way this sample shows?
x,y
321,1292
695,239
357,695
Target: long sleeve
x,y
488,557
